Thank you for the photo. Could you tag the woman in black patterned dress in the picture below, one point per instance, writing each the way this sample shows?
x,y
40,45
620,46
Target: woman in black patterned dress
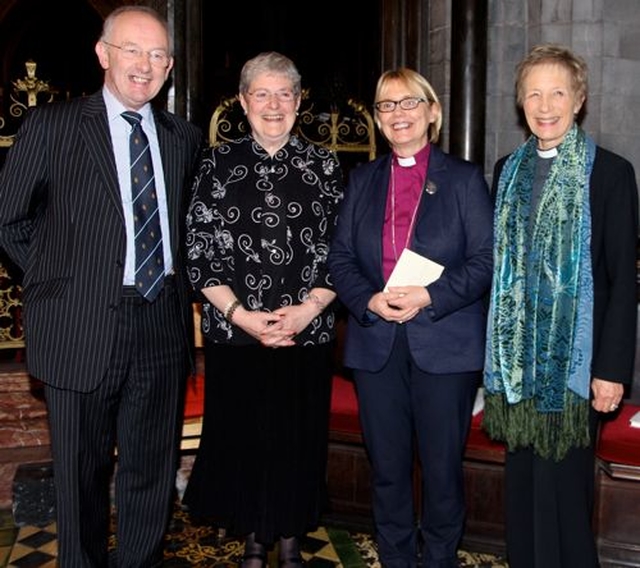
x,y
259,227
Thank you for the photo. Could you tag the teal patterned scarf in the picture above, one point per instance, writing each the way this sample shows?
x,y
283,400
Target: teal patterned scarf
x,y
538,357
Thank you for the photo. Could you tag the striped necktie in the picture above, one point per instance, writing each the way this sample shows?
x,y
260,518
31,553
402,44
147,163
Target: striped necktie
x,y
149,269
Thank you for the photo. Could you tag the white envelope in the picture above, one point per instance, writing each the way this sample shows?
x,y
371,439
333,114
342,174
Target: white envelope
x,y
413,269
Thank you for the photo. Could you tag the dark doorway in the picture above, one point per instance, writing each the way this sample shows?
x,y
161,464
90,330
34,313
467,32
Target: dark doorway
x,y
334,44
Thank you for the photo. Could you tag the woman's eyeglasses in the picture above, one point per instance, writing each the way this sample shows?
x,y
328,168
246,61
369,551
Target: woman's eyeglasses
x,y
262,95
408,103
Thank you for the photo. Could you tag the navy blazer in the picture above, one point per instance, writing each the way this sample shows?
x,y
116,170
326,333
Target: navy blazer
x,y
62,222
454,228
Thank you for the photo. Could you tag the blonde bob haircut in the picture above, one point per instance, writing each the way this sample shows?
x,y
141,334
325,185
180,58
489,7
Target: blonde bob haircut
x,y
418,86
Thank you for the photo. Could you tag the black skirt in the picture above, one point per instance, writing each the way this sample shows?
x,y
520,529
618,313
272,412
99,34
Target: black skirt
x,y
261,464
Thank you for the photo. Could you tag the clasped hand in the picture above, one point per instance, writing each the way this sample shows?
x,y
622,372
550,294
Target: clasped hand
x,y
277,328
399,304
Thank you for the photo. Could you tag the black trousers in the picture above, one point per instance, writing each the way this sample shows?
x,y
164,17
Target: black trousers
x,y
136,409
549,507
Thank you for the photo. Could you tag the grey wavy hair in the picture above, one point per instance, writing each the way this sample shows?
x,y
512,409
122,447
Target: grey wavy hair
x,y
270,62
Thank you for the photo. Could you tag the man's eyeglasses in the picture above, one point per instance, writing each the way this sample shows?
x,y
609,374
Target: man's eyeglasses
x,y
157,57
408,103
262,95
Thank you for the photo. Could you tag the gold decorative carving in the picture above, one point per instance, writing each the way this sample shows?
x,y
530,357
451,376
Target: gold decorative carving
x,y
340,128
350,129
34,90
227,122
11,332
32,87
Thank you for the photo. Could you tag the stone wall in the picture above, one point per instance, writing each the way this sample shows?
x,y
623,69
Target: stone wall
x,y
608,39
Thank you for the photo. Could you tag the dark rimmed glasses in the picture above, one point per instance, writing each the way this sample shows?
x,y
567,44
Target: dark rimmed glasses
x,y
408,103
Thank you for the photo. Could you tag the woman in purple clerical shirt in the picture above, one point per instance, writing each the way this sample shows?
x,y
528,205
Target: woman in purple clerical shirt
x,y
416,349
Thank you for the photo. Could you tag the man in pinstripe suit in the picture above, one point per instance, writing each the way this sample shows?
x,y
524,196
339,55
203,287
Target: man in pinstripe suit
x,y
114,364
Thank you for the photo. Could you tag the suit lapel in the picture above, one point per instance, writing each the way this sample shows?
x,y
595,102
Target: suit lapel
x,y
437,179
375,206
437,166
94,132
171,168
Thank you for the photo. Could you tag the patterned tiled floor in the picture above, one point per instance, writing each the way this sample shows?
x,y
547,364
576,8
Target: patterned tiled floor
x,y
31,547
34,546
190,544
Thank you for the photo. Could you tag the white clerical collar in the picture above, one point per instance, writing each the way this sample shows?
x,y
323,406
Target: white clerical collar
x,y
406,162
550,153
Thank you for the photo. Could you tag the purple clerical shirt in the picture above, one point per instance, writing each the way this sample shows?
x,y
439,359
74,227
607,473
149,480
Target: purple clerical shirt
x,y
403,199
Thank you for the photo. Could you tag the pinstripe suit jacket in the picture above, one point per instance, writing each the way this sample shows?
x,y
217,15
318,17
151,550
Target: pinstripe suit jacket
x,y
62,223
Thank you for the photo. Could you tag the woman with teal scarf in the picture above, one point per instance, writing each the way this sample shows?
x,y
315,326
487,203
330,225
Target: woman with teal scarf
x,y
562,320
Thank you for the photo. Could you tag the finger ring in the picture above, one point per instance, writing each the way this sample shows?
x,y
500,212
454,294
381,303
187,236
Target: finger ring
x,y
400,322
613,407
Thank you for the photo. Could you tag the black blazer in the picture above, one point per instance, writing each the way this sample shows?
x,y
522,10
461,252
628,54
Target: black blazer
x,y
614,234
61,221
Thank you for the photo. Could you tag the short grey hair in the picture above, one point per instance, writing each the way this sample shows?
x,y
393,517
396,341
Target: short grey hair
x,y
269,62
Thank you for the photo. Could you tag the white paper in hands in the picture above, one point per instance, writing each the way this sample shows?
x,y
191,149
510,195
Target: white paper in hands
x,y
413,269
